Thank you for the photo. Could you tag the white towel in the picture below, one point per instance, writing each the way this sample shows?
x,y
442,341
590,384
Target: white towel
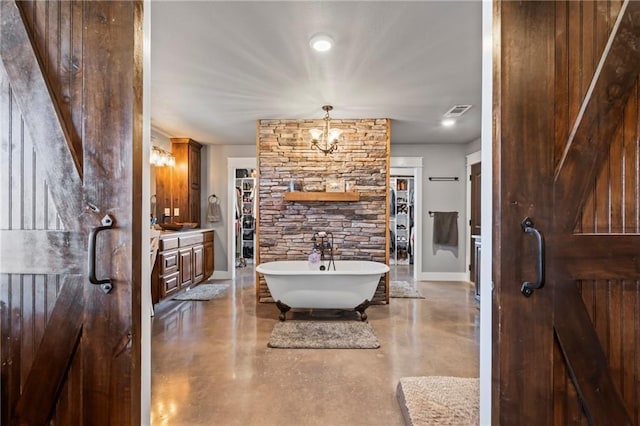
x,y
213,210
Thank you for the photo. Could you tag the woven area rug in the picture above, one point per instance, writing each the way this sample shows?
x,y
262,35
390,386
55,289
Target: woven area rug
x,y
439,400
402,289
203,292
323,335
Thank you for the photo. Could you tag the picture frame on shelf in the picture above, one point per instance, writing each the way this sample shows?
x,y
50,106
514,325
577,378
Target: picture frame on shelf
x,y
334,185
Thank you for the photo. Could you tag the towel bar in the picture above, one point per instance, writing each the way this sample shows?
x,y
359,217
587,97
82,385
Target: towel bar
x,y
432,212
444,178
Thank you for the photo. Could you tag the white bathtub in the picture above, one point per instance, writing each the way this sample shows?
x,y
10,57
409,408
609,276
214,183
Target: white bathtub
x,y
351,286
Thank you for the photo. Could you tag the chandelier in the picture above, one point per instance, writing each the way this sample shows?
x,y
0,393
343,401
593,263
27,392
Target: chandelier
x,y
159,157
325,141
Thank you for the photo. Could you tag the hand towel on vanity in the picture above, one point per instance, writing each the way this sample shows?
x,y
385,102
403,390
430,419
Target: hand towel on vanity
x,y
445,230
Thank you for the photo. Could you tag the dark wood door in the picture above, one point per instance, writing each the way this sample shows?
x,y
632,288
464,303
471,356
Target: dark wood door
x,y
566,155
70,153
474,217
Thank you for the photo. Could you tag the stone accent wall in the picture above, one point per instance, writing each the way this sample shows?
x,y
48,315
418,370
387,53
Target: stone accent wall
x,y
359,228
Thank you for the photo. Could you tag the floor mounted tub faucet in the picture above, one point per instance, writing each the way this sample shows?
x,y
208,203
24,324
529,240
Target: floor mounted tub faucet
x,y
322,243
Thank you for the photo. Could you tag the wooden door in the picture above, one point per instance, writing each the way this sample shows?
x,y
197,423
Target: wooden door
x,y
567,156
474,218
70,153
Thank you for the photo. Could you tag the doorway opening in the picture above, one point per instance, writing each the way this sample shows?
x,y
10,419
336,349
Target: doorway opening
x,y
405,217
242,198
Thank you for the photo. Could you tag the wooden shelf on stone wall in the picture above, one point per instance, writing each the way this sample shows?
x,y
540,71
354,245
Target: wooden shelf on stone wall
x,y
322,196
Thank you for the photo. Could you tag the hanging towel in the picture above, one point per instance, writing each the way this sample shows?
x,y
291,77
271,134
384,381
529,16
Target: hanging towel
x,y
445,229
213,209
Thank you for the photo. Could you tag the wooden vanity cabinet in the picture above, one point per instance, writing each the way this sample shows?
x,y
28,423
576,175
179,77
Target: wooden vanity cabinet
x,y
178,188
186,179
208,254
184,259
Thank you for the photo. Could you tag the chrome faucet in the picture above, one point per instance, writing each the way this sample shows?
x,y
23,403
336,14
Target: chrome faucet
x,y
321,243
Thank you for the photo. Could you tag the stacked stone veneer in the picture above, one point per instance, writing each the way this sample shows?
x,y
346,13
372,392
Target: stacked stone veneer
x,y
285,228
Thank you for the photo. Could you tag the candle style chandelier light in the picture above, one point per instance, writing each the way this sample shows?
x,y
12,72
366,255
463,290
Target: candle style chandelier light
x,y
159,157
325,141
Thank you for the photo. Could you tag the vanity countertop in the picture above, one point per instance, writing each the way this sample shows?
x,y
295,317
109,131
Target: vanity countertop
x,y
167,234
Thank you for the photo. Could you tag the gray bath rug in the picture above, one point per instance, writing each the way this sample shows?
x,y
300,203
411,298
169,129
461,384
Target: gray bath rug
x,y
202,292
323,335
402,289
439,400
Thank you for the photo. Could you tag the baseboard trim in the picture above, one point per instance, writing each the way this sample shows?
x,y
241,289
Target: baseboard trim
x,y
443,276
221,275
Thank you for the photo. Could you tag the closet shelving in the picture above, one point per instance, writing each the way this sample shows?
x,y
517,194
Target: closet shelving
x,y
245,239
401,220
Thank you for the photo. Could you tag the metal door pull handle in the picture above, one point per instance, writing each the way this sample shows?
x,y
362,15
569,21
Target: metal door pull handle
x,y
528,287
105,284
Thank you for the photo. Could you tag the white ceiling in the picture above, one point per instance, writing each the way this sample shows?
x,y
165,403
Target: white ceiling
x,y
217,67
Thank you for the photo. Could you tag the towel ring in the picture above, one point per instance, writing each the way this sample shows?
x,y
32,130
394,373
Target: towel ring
x,y
212,198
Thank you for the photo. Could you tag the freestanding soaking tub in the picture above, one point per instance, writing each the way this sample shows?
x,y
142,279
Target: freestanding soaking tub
x,y
294,285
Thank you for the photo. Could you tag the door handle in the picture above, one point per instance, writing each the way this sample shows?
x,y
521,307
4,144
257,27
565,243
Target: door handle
x,y
528,287
105,284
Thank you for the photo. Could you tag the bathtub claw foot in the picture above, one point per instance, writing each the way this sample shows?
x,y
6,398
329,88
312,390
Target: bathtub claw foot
x,y
284,308
361,308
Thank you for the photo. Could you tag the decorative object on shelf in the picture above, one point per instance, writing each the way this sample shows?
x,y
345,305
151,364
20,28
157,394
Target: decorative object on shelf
x,y
329,137
334,185
160,158
294,186
313,187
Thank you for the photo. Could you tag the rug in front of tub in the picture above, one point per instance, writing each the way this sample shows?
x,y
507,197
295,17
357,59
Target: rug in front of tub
x,y
402,289
323,335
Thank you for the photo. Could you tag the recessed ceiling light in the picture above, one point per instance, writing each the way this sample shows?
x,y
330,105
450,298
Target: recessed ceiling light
x,y
448,122
321,42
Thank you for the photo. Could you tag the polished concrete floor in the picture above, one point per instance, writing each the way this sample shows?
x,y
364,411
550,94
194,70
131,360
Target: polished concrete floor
x,y
211,364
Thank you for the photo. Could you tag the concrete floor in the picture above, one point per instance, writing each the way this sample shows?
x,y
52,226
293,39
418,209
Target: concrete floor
x,y
211,364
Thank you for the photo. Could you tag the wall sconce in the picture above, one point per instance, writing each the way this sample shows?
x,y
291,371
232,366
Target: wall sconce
x,y
329,137
159,157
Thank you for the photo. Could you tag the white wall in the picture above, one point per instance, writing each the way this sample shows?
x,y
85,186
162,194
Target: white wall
x,y
441,160
215,181
474,146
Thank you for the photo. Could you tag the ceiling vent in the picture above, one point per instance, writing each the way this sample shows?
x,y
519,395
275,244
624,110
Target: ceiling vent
x,y
457,110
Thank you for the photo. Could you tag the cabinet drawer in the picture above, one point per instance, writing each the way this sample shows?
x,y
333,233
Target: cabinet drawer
x,y
168,243
168,262
169,284
190,240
